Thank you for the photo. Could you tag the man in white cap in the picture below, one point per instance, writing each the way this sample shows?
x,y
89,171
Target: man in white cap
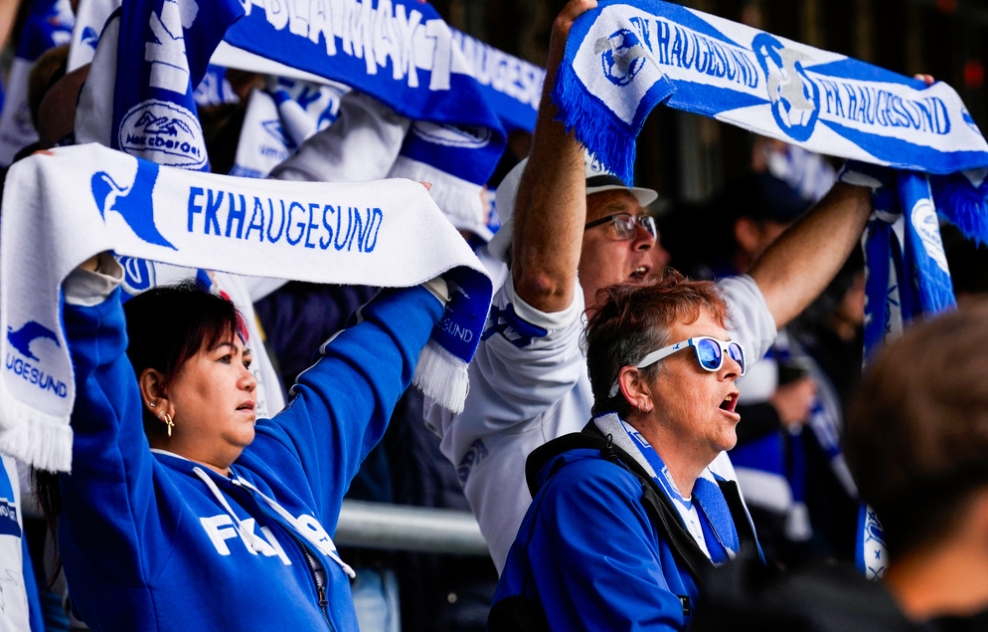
x,y
572,222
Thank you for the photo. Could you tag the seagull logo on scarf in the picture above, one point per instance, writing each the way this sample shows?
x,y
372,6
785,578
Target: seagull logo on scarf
x,y
795,99
90,37
23,337
134,204
622,56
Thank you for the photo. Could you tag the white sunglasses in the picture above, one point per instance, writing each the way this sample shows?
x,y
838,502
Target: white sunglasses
x,y
710,354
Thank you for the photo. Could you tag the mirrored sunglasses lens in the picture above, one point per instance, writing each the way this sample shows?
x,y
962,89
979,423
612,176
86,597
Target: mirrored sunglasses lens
x,y
734,350
708,353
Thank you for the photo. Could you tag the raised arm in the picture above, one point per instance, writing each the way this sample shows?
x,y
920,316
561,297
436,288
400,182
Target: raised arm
x,y
551,207
341,405
108,501
800,264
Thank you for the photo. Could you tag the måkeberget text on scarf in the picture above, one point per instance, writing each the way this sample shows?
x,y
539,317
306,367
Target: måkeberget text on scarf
x,y
150,57
61,209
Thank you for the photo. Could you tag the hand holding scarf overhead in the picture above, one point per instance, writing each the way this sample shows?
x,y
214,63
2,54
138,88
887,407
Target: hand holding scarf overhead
x,y
59,210
625,57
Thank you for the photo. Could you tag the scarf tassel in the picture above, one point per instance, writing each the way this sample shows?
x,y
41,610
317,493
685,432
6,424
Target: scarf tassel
x,y
606,137
43,441
442,376
964,205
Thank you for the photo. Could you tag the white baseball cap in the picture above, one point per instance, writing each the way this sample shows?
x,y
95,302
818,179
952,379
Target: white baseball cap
x,y
599,179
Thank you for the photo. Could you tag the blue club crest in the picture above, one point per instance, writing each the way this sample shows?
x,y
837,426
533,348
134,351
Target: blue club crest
x,y
621,55
139,274
134,204
795,98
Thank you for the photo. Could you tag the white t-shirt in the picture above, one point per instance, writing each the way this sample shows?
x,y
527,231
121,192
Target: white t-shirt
x,y
529,385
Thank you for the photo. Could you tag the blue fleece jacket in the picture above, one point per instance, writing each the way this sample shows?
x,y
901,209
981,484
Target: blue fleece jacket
x,y
590,556
147,545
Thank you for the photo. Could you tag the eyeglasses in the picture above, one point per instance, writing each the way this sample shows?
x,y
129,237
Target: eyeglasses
x,y
624,225
710,354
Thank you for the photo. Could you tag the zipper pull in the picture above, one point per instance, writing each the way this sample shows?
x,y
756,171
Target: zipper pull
x,y
322,597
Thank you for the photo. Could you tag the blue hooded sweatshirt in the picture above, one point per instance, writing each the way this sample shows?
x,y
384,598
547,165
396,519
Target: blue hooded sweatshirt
x,y
590,554
152,541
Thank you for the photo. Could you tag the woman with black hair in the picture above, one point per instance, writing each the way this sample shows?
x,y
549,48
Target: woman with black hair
x,y
208,518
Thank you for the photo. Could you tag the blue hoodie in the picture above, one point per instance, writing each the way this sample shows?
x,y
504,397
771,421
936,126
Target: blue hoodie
x,y
590,556
151,541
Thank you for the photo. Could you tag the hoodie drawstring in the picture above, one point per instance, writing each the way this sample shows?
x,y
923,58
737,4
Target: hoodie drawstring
x,y
254,541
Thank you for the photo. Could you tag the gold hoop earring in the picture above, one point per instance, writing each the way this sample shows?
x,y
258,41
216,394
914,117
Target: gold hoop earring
x,y
167,420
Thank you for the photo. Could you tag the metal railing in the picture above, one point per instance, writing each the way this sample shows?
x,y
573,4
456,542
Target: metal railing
x,y
401,527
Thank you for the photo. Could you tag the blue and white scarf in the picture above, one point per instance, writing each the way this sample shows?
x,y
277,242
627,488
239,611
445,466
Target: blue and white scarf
x,y
625,57
401,53
91,16
279,119
61,209
907,279
150,57
513,86
49,24
716,534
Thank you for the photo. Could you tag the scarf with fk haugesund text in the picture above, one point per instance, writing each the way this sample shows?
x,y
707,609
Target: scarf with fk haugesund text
x,y
66,207
400,52
49,24
624,58
150,56
166,132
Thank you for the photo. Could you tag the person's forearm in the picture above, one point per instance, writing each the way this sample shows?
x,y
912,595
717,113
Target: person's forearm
x,y
551,206
801,263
